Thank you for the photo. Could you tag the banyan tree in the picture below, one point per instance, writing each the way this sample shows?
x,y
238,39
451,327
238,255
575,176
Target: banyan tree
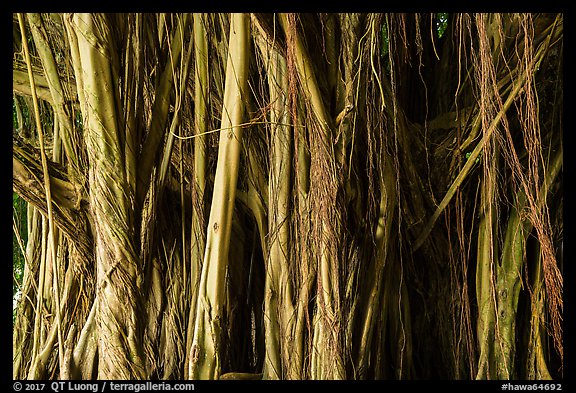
x,y
287,196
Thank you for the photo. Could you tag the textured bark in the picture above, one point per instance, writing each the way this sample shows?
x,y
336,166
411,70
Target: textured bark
x,y
205,357
119,274
288,196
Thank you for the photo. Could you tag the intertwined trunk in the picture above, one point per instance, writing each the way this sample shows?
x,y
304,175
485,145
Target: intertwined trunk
x,y
288,196
118,271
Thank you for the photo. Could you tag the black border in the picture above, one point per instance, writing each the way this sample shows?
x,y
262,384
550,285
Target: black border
x,y
337,6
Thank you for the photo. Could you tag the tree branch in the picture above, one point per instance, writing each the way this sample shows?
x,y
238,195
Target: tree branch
x,y
69,205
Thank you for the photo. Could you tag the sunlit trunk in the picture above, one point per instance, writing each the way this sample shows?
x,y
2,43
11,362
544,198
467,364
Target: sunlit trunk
x,y
287,196
205,357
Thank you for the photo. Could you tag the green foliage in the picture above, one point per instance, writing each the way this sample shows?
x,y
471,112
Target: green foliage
x,y
385,42
441,23
19,216
78,120
468,156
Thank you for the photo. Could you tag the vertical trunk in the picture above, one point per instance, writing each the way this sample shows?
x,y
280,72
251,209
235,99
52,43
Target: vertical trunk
x,y
119,274
205,357
23,338
61,109
376,301
302,250
536,367
507,290
282,358
51,244
279,209
354,150
327,353
159,116
485,286
198,239
509,281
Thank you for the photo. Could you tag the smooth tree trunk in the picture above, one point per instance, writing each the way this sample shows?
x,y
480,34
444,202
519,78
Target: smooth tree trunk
x,y
206,346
